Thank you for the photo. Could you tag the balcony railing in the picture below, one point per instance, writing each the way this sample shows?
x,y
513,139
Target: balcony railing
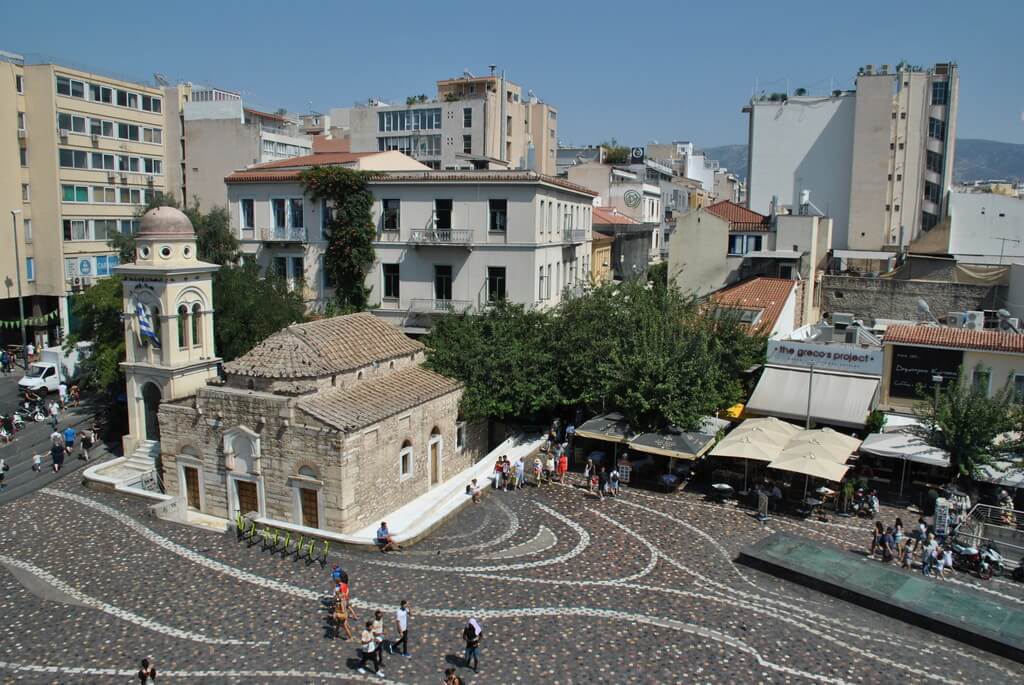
x,y
574,235
440,306
283,235
441,236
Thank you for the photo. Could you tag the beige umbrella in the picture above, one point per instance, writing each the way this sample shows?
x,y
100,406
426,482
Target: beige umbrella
x,y
811,463
749,445
827,436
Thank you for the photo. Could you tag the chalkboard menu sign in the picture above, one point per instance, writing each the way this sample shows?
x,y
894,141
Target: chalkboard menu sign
x,y
914,366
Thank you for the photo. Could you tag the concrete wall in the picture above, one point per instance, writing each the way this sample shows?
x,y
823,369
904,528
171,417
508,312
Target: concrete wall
x,y
215,148
357,474
804,143
977,220
697,253
869,187
897,299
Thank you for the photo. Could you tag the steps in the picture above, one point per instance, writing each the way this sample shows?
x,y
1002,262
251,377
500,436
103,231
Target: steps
x,y
144,457
137,470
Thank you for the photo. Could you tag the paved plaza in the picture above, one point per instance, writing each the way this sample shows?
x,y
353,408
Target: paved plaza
x,y
568,589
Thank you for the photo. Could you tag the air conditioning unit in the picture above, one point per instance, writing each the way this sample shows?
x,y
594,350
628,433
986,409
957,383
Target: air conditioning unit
x,y
111,177
1009,324
63,134
95,138
124,177
956,319
149,179
975,320
842,319
77,281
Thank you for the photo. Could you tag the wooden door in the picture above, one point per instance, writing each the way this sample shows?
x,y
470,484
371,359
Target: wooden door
x,y
192,487
247,498
435,462
310,512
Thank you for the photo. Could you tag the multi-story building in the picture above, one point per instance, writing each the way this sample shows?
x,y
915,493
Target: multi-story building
x,y
475,122
446,241
82,153
879,158
686,160
221,135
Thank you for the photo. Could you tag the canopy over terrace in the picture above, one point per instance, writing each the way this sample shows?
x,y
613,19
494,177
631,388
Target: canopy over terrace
x,y
758,440
906,445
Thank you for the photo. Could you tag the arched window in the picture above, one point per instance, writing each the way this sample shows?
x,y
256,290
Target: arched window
x,y
405,461
182,322
308,472
197,328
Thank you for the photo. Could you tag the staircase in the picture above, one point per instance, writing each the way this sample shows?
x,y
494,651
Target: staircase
x,y
137,470
144,457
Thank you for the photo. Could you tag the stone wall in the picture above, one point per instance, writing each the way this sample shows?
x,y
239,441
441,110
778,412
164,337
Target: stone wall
x,y
357,474
883,298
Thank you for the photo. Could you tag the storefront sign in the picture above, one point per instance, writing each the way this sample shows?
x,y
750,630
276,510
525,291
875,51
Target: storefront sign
x,y
915,366
849,358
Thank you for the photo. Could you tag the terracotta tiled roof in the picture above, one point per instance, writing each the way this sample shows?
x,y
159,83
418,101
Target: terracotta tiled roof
x,y
368,402
608,216
322,144
266,115
739,217
957,338
324,348
316,159
767,294
602,237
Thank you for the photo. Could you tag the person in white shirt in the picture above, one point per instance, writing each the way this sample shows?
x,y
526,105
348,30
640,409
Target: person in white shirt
x,y
402,628
62,392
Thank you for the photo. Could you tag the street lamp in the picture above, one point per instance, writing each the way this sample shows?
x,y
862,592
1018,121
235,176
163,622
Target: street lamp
x,y
17,273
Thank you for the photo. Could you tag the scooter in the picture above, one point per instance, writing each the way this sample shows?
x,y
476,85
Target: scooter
x,y
971,559
31,412
991,556
862,504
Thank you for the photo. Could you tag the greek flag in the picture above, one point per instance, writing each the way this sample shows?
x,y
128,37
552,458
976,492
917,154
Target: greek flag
x,y
145,325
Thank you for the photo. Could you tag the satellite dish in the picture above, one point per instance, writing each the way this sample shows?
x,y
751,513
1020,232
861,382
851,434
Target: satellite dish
x,y
923,308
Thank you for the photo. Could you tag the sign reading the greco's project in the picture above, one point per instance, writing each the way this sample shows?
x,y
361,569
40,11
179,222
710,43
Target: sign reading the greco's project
x,y
849,358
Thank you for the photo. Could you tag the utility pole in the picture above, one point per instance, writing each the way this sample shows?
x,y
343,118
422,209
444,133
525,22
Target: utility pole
x,y
810,385
21,302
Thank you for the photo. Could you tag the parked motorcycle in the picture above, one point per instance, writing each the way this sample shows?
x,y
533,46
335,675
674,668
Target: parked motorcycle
x,y
862,503
970,559
993,559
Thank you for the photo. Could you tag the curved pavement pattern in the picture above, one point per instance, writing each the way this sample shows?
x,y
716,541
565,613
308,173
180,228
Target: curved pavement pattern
x,y
569,589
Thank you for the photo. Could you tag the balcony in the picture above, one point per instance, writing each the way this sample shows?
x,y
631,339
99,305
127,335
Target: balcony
x,y
283,235
441,236
574,235
439,306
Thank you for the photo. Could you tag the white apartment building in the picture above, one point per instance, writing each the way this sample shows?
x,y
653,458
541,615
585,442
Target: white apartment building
x,y
474,122
879,159
446,241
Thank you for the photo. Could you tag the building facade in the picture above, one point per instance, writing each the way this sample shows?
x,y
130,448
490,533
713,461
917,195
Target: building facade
x,y
328,425
83,154
879,158
473,122
446,241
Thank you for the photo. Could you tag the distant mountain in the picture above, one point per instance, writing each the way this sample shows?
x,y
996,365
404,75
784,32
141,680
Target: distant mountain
x,y
979,160
976,159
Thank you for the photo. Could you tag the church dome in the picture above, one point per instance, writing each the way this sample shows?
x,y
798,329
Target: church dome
x,y
165,222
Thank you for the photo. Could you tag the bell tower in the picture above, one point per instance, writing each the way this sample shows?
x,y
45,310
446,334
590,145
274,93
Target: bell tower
x,y
168,313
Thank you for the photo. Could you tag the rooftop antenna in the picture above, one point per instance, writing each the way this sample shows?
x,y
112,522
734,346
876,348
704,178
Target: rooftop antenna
x,y
924,312
161,80
492,67
467,73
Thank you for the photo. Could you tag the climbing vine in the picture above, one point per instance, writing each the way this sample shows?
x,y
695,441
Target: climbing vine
x,y
349,231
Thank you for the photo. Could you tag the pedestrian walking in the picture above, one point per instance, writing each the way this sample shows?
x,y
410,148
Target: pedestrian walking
x,y
54,414
30,352
537,471
378,635
563,466
4,468
70,436
367,647
74,395
613,482
497,474
520,474
602,482
62,394
147,673
341,617
506,473
549,468
5,362
57,456
588,471
37,462
402,629
907,554
472,633
87,440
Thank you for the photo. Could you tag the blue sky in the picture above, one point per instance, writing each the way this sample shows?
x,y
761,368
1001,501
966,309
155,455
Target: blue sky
x,y
636,71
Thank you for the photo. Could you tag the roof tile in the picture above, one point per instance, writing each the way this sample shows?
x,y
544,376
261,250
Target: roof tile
x,y
368,402
606,216
958,338
764,293
739,217
324,348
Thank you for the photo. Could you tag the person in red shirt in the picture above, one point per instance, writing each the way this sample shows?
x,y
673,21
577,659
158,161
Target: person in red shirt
x,y
563,466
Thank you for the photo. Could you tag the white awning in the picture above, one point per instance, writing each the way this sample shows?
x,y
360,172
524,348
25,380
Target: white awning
x,y
836,399
904,446
862,254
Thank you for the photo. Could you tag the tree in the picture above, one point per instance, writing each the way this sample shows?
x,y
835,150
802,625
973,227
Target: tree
x,y
350,230
98,309
615,153
965,422
249,308
215,241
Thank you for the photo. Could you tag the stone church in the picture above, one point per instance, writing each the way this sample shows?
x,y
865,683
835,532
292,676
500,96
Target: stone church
x,y
330,424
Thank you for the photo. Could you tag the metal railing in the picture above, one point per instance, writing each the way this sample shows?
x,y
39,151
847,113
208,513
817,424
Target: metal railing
x,y
440,306
574,235
288,235
441,236
1001,527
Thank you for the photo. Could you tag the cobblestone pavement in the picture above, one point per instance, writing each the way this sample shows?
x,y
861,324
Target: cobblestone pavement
x,y
639,589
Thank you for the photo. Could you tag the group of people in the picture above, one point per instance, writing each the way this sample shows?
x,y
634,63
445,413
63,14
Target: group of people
x,y
895,546
601,481
63,443
373,640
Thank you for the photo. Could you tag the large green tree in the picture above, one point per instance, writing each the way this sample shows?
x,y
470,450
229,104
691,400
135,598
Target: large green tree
x,y
349,228
968,424
98,310
249,307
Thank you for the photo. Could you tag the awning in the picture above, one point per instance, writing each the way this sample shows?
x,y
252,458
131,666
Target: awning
x,y
1001,473
837,399
904,446
677,445
756,439
610,427
808,464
